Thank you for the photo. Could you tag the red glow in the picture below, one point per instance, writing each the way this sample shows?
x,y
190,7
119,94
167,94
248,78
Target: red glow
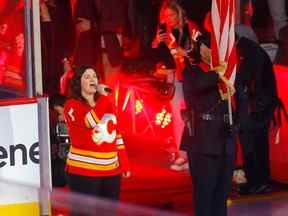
x,y
138,106
163,118
138,103
12,47
279,152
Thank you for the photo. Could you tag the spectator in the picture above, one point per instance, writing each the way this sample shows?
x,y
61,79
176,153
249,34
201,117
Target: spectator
x,y
279,16
57,40
56,104
12,62
175,34
244,15
103,27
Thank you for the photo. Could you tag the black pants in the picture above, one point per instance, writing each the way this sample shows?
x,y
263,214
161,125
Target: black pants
x,y
255,145
107,187
212,177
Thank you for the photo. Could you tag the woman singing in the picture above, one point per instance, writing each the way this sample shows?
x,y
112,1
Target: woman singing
x,y
97,157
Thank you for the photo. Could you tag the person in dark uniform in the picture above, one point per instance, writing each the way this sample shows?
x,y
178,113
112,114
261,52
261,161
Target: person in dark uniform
x,y
256,97
207,138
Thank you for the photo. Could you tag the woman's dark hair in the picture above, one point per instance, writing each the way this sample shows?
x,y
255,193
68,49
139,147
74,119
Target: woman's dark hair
x,y
75,85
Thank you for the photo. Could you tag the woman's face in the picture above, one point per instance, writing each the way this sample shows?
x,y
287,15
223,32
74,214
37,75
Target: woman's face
x,y
89,82
171,18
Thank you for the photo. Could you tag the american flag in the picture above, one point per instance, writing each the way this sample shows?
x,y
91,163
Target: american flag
x,y
223,39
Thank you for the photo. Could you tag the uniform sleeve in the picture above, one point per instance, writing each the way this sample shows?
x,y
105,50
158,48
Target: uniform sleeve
x,y
72,114
195,81
123,158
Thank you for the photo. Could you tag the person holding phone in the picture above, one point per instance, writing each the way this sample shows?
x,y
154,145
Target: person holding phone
x,y
175,35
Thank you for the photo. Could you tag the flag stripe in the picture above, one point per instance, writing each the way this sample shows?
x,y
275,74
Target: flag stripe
x,y
223,37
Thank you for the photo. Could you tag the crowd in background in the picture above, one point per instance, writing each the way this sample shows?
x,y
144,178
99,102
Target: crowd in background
x,y
72,32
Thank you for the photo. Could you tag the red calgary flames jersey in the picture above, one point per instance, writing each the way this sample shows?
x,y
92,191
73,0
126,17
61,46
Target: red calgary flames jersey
x,y
94,154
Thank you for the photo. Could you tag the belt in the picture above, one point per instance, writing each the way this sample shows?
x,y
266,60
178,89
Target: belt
x,y
213,117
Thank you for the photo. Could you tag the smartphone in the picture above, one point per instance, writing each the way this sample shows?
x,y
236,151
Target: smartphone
x,y
162,28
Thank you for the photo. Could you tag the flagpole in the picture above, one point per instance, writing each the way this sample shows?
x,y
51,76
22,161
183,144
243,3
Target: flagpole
x,y
230,107
228,97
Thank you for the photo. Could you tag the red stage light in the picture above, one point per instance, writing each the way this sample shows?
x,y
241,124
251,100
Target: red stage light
x,y
138,106
163,118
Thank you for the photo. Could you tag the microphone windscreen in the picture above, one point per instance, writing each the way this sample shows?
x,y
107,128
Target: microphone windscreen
x,y
103,89
107,89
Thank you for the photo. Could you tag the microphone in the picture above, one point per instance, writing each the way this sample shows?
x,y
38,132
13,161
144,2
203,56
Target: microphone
x,y
104,89
107,89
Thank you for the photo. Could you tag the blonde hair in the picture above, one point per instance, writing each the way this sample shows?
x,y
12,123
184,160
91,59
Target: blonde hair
x,y
173,5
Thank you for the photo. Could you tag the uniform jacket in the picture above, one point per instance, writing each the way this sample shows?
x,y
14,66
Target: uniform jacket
x,y
201,95
86,157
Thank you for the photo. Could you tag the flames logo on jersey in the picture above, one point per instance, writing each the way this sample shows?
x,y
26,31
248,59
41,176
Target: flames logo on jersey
x,y
100,127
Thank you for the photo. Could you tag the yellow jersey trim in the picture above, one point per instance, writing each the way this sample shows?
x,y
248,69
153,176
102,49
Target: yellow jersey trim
x,y
88,166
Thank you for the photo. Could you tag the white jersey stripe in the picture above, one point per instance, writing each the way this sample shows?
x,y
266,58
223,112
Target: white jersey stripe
x,y
91,120
92,160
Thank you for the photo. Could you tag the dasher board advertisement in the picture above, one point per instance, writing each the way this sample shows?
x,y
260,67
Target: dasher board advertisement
x,y
19,152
